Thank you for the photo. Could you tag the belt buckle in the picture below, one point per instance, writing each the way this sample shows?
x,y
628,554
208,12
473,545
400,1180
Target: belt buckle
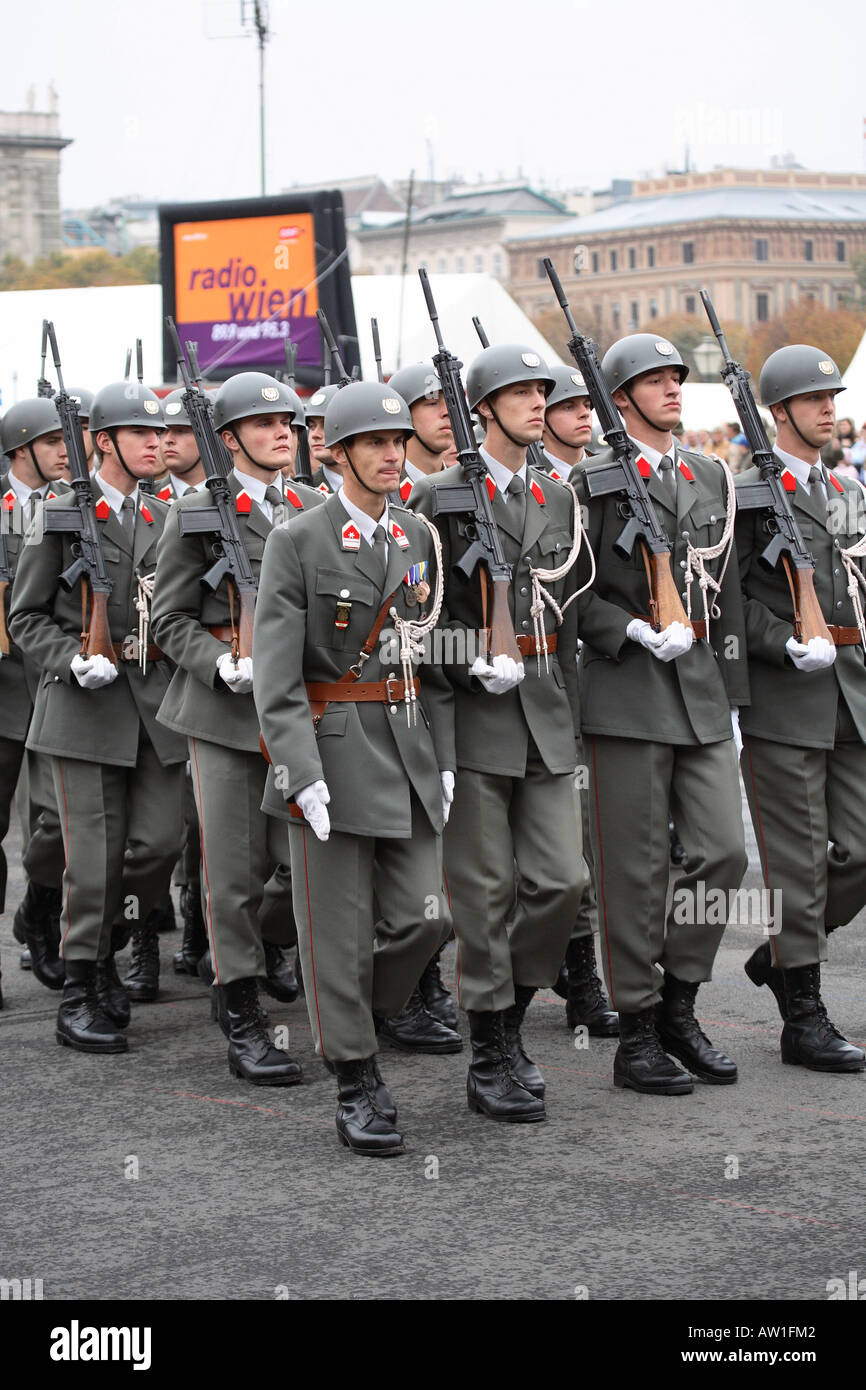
x,y
389,698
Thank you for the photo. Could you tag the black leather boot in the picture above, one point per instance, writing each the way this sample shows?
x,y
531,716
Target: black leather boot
x,y
522,1066
586,1003
280,980
205,969
113,998
251,1053
80,1021
809,1039
142,981
437,999
219,1009
194,942
361,1124
641,1063
416,1030
681,1035
33,924
491,1086
164,917
761,971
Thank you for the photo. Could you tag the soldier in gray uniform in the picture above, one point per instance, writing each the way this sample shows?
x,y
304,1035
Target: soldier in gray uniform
x,y
244,853
431,438
327,473
117,774
362,749
567,423
804,759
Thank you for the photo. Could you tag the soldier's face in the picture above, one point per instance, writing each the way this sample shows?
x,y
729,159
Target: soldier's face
x,y
316,439
520,408
50,454
178,451
268,440
815,415
377,459
659,394
572,421
139,445
432,426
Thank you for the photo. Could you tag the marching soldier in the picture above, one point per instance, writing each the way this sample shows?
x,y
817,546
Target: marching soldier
x,y
33,441
178,452
370,772
515,731
421,389
116,773
804,759
657,728
567,423
327,474
210,703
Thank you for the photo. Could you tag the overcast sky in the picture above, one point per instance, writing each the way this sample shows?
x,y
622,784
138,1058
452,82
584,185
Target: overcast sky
x,y
572,93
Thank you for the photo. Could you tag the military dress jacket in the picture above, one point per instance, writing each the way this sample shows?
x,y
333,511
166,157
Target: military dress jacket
x,y
319,598
100,726
626,692
791,706
198,703
493,731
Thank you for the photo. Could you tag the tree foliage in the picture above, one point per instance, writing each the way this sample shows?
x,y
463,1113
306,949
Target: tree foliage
x,y
60,271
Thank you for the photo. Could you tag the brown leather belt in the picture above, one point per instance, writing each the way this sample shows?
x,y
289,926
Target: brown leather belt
x,y
844,636
152,652
527,646
222,632
699,626
387,692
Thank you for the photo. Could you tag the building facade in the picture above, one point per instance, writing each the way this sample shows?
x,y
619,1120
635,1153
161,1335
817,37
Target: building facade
x,y
30,146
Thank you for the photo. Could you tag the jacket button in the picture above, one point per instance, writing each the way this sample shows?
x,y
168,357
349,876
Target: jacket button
x,y
525,624
393,709
344,593
712,520
524,591
682,564
839,604
835,571
391,676
558,546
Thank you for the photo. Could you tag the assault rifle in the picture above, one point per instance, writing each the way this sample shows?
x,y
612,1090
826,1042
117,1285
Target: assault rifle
x,y
622,475
231,561
303,468
534,454
145,485
786,545
471,497
377,350
291,351
333,350
43,385
88,566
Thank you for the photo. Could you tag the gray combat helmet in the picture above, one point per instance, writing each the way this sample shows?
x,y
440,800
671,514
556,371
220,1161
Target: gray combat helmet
x,y
793,370
84,397
317,404
174,410
125,403
570,385
503,365
419,382
27,420
364,406
636,354
253,393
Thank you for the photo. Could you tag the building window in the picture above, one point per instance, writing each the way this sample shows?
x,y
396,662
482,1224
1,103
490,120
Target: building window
x,y
497,263
635,314
615,318
808,251
762,307
762,249
690,304
443,265
614,260
840,250
650,256
632,258
479,264
541,272
595,262
654,309
688,253
459,265
389,269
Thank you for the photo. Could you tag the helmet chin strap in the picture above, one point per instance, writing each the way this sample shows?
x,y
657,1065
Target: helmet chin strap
x,y
32,453
434,453
645,418
564,442
244,450
797,430
521,443
111,431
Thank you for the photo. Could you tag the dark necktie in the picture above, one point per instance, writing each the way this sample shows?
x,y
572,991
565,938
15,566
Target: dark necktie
x,y
127,517
380,552
278,506
816,489
668,481
516,499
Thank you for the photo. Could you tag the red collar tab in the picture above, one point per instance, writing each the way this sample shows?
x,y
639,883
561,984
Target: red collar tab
x,y
103,510
8,500
643,467
291,496
243,503
686,472
165,493
789,482
147,514
405,489
50,495
399,535
491,487
535,489
350,536
835,481
324,489
557,477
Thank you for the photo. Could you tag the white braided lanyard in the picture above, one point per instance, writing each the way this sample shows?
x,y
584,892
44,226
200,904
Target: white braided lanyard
x,y
540,577
856,582
697,556
412,631
142,603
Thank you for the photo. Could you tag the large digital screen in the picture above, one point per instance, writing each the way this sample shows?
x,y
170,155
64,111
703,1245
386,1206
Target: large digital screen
x,y
240,279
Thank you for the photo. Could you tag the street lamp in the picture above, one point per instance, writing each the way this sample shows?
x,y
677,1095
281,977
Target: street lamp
x,y
708,358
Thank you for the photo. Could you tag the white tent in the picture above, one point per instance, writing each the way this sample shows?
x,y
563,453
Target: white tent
x,y
853,403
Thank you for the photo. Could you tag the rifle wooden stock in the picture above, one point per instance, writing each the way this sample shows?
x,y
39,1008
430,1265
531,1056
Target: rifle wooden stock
x,y
246,619
502,639
96,640
665,604
4,634
808,618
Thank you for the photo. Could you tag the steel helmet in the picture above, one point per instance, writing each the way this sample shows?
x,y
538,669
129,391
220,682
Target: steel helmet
x,y
27,420
125,403
253,393
363,406
503,365
569,385
636,354
793,370
416,382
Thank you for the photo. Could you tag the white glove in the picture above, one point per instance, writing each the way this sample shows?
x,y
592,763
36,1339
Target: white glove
x,y
92,672
735,726
815,655
673,640
446,780
504,673
239,679
312,801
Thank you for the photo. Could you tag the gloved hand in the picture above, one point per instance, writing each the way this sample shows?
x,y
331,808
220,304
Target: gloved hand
x,y
239,679
504,673
92,672
312,801
446,780
735,726
815,655
673,640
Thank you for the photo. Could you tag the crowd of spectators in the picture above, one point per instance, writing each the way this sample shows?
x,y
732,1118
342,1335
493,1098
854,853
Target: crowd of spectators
x,y
845,454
